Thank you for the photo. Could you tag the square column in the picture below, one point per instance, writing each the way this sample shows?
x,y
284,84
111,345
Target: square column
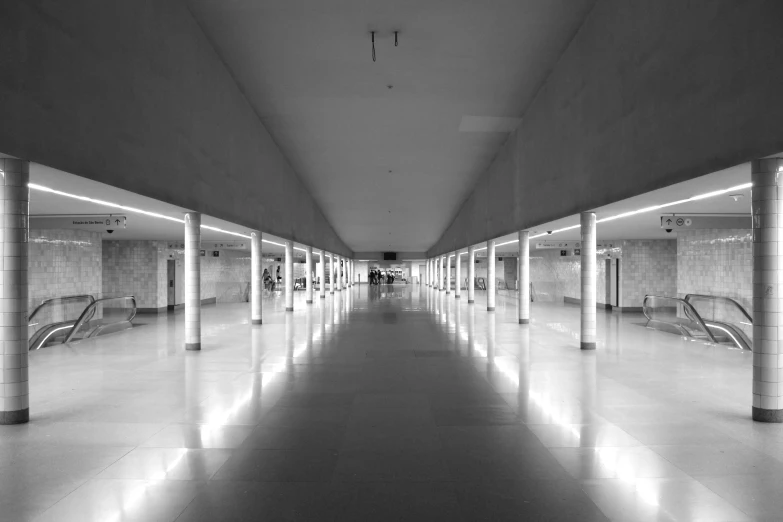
x,y
14,385
289,276
309,275
448,274
766,207
193,281
256,278
471,274
427,268
491,285
322,275
457,276
588,281
524,277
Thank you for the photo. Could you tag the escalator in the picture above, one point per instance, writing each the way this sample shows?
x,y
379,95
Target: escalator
x,y
73,318
713,319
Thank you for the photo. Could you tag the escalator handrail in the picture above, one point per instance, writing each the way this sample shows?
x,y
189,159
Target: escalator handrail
x,y
721,298
689,309
90,311
63,298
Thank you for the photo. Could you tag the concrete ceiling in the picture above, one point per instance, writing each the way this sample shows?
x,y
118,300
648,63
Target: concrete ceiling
x,y
379,144
139,226
647,225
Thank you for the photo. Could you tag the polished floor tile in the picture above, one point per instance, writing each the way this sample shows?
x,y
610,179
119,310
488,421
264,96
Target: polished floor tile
x,y
514,500
167,464
390,405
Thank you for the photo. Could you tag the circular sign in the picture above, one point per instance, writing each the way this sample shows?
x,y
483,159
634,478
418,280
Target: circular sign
x,y
688,222
680,222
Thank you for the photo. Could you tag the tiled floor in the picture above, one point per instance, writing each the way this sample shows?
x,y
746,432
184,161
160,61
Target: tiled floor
x,y
391,404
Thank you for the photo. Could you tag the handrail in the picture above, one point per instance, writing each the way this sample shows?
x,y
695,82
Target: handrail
x,y
688,310
90,311
721,298
63,298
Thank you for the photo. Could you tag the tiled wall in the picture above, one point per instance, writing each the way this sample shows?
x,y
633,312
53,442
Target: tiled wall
x,y
556,277
716,262
134,268
647,267
63,262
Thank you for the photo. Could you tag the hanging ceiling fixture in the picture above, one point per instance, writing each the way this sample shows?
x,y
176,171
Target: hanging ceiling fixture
x,y
372,41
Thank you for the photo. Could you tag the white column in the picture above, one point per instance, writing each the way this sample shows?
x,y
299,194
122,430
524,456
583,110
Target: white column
x,y
342,273
427,272
491,285
587,221
289,276
767,207
309,275
193,281
523,278
471,274
332,273
256,278
442,273
338,275
322,275
448,274
14,385
457,275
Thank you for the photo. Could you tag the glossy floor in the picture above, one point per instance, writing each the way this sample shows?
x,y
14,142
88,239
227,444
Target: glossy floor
x,y
391,403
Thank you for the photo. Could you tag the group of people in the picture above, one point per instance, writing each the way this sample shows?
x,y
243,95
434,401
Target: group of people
x,y
378,277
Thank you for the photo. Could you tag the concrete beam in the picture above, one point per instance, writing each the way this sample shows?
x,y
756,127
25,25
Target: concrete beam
x,y
133,95
648,94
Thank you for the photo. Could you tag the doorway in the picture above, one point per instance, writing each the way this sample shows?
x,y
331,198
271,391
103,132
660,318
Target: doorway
x,y
171,273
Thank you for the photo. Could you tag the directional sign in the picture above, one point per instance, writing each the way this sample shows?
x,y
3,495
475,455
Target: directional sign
x,y
700,221
95,223
559,245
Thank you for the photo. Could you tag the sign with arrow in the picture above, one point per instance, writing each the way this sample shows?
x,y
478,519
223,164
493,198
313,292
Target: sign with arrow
x,y
95,223
676,222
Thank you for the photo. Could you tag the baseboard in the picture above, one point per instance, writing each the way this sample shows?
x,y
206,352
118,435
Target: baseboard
x,y
574,300
161,310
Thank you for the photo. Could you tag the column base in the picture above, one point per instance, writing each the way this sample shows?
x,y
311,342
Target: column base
x,y
490,309
587,346
310,301
256,321
15,417
289,308
471,301
524,321
764,415
193,347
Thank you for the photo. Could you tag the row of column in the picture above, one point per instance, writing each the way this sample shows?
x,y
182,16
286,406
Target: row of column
x,y
436,272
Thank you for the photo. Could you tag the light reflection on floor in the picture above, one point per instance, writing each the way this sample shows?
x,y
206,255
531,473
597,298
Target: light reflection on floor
x,y
460,414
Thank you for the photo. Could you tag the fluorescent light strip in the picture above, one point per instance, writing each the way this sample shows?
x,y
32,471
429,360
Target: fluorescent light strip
x,y
35,186
694,198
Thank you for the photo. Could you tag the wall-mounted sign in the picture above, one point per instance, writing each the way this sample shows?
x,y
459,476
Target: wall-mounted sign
x,y
227,245
202,253
216,253
102,223
699,221
576,245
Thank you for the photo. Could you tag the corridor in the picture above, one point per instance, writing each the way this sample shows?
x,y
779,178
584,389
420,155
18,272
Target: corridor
x,y
390,403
